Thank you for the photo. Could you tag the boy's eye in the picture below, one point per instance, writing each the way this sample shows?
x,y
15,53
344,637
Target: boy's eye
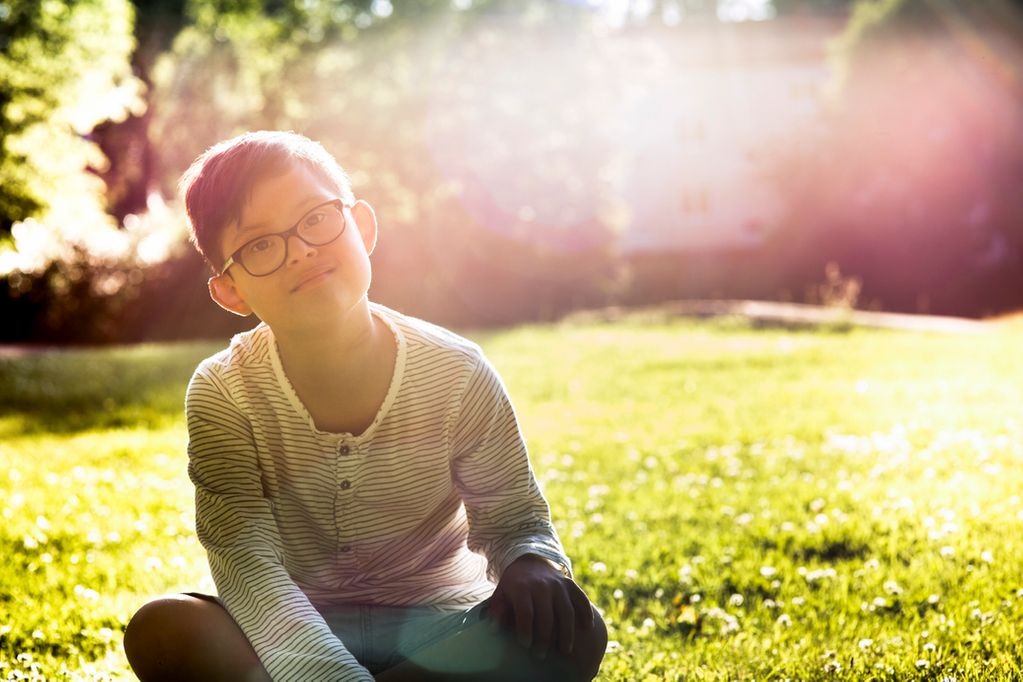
x,y
315,218
259,245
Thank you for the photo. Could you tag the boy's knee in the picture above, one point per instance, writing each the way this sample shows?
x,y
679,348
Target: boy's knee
x,y
156,635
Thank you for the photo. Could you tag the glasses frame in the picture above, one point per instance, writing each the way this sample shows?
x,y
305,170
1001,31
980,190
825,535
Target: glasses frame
x,y
286,234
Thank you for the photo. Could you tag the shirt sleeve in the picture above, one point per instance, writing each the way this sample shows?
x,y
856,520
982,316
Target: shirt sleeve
x,y
508,514
236,526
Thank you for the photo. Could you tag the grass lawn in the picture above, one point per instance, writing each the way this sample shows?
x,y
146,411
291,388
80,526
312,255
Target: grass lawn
x,y
741,503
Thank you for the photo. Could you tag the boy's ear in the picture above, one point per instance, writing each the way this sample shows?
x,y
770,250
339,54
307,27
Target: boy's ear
x,y
224,292
366,221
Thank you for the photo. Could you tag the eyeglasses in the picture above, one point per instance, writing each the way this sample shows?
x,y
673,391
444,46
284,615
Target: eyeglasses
x,y
264,255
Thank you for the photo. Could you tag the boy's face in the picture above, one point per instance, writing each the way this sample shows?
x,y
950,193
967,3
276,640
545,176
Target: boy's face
x,y
313,280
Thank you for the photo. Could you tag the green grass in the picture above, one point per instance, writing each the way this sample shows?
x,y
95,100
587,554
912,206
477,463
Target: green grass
x,y
741,504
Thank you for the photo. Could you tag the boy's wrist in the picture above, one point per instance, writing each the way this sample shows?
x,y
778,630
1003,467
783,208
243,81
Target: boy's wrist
x,y
557,566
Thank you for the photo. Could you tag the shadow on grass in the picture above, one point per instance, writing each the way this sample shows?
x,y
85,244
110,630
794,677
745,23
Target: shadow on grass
x,y
65,391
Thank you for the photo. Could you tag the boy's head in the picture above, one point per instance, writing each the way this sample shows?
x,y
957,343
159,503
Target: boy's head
x,y
282,209
218,184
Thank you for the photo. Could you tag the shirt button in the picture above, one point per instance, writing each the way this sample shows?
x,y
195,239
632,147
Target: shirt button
x,y
346,548
343,450
345,484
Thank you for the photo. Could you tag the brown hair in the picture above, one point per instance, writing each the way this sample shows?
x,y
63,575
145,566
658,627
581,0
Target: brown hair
x,y
220,181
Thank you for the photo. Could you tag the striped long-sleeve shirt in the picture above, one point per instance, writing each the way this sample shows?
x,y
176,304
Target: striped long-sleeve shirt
x,y
426,507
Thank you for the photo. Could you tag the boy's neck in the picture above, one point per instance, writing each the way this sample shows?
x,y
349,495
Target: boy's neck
x,y
332,348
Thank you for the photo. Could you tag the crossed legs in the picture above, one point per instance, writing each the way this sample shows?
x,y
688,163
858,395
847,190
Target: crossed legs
x,y
181,637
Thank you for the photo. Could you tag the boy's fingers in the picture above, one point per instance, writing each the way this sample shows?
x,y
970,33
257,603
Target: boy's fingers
x,y
497,612
583,609
522,605
566,622
543,626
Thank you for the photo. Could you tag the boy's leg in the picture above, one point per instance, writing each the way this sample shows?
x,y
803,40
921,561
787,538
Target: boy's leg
x,y
478,653
182,637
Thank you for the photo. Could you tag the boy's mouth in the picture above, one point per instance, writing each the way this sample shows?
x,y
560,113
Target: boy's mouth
x,y
311,277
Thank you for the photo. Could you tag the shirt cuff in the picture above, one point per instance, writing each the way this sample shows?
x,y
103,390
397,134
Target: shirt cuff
x,y
558,562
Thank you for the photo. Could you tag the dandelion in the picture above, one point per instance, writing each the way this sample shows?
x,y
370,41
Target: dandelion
x,y
947,552
736,600
86,593
923,663
618,594
598,567
892,587
933,599
724,621
768,571
865,643
880,602
833,667
930,646
685,575
987,557
819,575
798,601
613,645
784,620
37,634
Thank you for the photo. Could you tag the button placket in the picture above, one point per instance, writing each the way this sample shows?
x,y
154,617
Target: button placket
x,y
346,469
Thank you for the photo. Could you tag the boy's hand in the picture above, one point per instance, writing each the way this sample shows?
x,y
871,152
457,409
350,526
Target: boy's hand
x,y
541,603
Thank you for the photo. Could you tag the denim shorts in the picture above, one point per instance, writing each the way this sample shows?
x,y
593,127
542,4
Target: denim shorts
x,y
381,637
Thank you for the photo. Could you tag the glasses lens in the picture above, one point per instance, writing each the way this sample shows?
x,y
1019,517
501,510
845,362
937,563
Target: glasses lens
x,y
321,225
264,255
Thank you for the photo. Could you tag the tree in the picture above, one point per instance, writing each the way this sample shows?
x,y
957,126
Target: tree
x,y
64,67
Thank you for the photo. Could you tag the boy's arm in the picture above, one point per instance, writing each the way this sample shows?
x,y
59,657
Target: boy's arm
x,y
508,514
509,522
235,524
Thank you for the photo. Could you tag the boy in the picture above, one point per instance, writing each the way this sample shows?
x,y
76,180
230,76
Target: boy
x,y
361,481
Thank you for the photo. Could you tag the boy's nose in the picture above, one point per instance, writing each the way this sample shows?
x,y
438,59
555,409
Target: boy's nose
x,y
298,249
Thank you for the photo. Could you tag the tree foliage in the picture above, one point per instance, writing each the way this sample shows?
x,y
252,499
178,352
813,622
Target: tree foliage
x,y
64,68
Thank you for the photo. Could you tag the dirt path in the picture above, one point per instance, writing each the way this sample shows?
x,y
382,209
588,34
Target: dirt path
x,y
800,314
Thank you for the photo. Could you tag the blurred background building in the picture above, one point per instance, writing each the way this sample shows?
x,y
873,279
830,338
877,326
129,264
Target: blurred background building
x,y
526,159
